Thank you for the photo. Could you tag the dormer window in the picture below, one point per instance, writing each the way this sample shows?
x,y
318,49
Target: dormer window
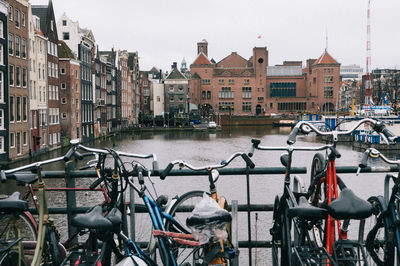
x,y
64,23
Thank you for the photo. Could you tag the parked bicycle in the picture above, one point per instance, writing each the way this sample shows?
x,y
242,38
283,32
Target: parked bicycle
x,y
383,238
211,253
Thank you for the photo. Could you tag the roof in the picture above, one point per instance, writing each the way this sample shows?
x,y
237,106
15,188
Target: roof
x,y
131,60
175,74
325,58
201,60
233,61
109,54
196,76
277,71
42,12
64,51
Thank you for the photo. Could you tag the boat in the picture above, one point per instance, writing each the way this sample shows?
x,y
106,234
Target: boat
x,y
284,123
212,125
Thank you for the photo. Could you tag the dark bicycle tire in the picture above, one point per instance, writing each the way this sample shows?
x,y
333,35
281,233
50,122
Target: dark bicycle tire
x,y
27,228
275,234
379,249
11,258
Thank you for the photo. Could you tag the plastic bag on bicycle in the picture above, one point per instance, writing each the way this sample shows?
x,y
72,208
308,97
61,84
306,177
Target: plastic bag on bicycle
x,y
208,220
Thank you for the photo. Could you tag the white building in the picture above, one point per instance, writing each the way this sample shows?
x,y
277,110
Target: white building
x,y
351,72
158,98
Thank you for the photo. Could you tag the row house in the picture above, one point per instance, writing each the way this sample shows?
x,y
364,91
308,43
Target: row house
x,y
239,86
176,92
49,29
4,89
37,86
133,82
111,88
144,85
100,76
125,93
18,35
70,93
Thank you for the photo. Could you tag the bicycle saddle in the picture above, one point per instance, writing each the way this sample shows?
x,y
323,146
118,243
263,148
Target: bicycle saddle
x,y
219,217
13,204
349,206
93,220
115,217
304,210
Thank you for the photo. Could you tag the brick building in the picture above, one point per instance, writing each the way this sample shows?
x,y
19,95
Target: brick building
x,y
100,111
4,89
70,93
176,92
18,34
239,86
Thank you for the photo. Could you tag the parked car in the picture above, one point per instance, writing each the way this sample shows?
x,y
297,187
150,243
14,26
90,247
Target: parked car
x,y
212,125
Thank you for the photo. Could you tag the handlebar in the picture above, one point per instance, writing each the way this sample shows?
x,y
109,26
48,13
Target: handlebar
x,y
223,164
374,153
378,126
256,146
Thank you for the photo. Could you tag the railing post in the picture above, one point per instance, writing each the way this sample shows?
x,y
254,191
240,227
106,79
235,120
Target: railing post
x,y
132,212
235,231
71,197
248,214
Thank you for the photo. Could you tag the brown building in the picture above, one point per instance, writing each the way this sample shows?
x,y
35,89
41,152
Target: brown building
x,y
69,93
239,86
18,35
49,29
144,84
125,101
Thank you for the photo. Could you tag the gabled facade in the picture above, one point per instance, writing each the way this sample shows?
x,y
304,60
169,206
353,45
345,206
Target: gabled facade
x,y
49,29
38,113
176,92
144,84
18,65
126,94
133,84
100,76
4,88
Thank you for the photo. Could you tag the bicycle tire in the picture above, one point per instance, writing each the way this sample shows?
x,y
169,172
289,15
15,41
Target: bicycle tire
x,y
317,166
11,258
27,228
377,246
275,235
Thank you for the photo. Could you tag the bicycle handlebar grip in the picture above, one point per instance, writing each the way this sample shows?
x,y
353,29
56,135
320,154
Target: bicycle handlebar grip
x,y
78,156
69,154
166,171
3,177
364,160
292,136
96,183
156,169
248,161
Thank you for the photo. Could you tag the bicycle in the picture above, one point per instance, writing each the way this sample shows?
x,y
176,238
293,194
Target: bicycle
x,y
383,239
339,247
208,254
296,222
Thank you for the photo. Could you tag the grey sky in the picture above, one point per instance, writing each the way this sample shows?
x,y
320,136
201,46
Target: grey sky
x,y
164,31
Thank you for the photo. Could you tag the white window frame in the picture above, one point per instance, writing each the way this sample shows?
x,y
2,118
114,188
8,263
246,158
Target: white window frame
x,y
12,140
2,144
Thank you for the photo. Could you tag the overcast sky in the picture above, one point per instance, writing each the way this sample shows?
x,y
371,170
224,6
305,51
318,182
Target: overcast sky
x,y
165,31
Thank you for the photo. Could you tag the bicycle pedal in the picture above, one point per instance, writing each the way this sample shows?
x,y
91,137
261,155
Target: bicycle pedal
x,y
306,255
348,251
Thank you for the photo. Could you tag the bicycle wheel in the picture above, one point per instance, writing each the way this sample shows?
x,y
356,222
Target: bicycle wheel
x,y
11,259
275,232
180,211
376,234
10,224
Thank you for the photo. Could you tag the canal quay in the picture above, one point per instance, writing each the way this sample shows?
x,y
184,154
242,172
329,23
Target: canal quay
x,y
206,148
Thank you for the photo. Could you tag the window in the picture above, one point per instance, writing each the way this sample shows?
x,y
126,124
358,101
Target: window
x,y
63,100
246,92
12,114
208,94
226,93
18,76
328,92
17,46
10,44
12,140
11,75
64,23
16,18
65,35
24,109
205,81
1,119
271,105
1,29
18,109
63,71
226,106
246,106
1,55
25,138
64,115
220,81
23,48
1,144
23,19
260,99
231,81
10,16
282,89
63,86
328,79
1,87
247,81
24,78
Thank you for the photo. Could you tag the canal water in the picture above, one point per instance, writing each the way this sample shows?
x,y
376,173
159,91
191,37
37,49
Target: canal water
x,y
205,148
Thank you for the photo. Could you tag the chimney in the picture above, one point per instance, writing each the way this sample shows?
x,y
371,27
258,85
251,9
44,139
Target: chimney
x,y
202,47
174,65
